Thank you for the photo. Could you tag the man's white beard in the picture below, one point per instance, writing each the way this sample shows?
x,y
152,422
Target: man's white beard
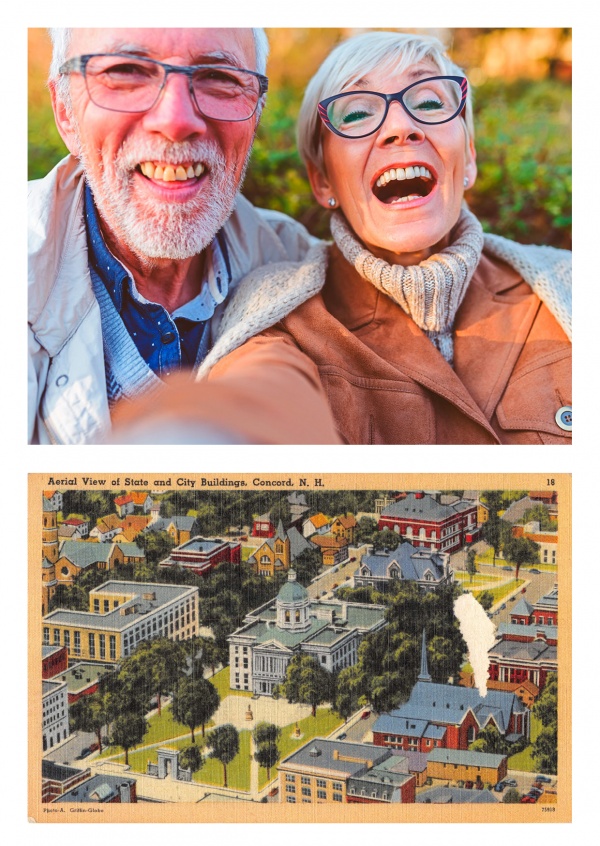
x,y
160,229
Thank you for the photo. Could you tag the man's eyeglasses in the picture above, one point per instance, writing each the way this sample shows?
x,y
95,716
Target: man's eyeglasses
x,y
122,82
356,114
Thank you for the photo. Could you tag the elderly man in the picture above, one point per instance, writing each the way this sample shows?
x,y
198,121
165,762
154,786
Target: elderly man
x,y
139,236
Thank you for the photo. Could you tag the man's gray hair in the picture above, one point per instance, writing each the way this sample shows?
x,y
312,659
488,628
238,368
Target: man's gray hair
x,y
61,39
357,57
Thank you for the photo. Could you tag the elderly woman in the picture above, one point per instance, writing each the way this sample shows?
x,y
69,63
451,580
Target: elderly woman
x,y
422,328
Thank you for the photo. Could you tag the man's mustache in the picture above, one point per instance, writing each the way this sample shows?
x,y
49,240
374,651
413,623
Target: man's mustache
x,y
132,154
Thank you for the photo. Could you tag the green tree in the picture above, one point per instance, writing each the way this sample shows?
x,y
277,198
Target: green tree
x,y
512,796
486,599
365,530
128,730
266,738
154,667
539,513
225,743
545,747
89,713
156,545
521,551
194,703
307,682
212,653
386,539
307,565
190,758
490,740
493,530
348,691
471,565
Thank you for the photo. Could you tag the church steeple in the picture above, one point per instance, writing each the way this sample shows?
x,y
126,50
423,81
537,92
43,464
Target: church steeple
x,y
424,674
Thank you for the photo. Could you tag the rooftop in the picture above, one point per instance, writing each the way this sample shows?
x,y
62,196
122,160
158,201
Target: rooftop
x,y
339,757
99,788
412,561
425,507
114,619
81,676
466,758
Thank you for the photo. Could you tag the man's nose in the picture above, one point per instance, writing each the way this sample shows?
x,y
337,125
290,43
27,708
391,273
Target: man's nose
x,y
399,127
175,114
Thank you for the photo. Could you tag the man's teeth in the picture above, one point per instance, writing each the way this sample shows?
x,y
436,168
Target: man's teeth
x,y
171,173
403,173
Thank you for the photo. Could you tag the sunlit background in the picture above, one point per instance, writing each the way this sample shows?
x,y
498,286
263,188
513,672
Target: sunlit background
x,y
522,85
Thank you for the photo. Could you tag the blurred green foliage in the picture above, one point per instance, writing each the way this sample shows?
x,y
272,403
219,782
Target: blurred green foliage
x,y
523,141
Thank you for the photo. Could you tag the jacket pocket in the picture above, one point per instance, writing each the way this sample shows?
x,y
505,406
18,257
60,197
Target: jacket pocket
x,y
533,397
378,411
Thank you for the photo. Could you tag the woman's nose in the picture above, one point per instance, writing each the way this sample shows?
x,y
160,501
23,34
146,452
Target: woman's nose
x,y
399,128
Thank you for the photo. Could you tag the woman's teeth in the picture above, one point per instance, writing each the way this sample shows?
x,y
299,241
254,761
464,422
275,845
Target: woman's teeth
x,y
171,173
403,173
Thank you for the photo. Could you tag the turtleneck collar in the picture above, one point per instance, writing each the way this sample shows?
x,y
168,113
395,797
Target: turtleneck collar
x,y
430,292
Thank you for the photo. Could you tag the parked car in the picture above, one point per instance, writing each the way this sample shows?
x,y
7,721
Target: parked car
x,y
500,787
510,782
94,747
479,785
507,568
342,736
535,791
334,585
502,607
365,715
528,798
469,785
353,558
84,753
274,791
544,778
535,571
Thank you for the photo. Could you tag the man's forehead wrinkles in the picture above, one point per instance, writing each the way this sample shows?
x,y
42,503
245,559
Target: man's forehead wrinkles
x,y
199,57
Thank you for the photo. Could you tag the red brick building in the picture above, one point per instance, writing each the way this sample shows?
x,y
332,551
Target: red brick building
x,y
448,716
526,650
262,527
424,522
55,660
201,555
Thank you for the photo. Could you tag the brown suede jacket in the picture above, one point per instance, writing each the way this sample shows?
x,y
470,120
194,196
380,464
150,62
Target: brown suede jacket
x,y
386,383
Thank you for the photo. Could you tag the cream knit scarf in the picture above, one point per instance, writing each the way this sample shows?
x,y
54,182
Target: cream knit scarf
x,y
430,292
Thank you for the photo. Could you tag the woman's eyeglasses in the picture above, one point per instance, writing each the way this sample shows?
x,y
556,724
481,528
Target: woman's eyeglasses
x,y
356,114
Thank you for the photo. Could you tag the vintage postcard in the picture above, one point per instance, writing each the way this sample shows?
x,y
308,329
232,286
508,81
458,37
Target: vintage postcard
x,y
288,648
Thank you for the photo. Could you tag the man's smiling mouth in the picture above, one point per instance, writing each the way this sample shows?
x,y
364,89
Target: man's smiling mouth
x,y
401,185
172,172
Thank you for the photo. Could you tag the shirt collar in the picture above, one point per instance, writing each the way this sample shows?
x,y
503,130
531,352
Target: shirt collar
x,y
115,276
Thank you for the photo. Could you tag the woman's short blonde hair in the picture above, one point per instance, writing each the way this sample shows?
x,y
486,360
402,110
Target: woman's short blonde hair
x,y
357,57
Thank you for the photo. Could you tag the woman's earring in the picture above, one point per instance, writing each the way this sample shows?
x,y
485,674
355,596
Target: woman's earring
x,y
466,182
332,202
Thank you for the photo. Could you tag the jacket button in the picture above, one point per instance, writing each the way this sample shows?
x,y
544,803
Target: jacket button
x,y
168,337
564,418
62,380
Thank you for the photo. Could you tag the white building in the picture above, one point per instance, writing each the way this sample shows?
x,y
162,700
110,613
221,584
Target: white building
x,y
261,649
55,713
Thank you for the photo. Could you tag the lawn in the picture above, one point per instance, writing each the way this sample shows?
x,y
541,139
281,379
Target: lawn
x,y
523,760
478,578
221,682
502,591
238,772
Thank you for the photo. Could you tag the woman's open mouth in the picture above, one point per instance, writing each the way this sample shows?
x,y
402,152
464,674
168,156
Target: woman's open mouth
x,y
402,185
